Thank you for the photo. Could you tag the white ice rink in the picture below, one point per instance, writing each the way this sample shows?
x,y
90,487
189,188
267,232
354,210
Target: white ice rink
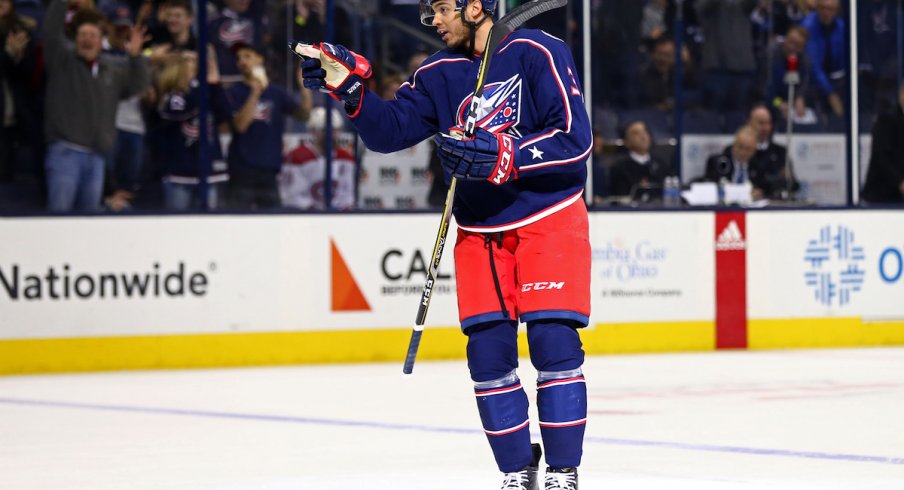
x,y
830,419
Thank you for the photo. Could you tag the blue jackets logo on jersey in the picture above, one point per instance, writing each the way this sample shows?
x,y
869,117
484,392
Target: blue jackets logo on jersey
x,y
263,111
501,111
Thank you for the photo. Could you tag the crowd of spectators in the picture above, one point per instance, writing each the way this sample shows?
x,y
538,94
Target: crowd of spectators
x,y
100,99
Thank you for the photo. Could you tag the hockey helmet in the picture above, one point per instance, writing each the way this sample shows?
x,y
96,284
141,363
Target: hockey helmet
x,y
427,14
317,119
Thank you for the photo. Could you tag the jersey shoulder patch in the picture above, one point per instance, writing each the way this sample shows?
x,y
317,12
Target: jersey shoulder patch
x,y
301,154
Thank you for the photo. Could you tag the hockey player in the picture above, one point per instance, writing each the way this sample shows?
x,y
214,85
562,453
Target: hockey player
x,y
523,251
301,178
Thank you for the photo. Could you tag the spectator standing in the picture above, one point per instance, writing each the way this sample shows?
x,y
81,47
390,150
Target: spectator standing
x,y
827,48
885,176
19,119
125,161
83,92
235,26
728,59
770,157
878,63
657,85
301,183
638,167
733,164
179,136
618,42
258,123
794,44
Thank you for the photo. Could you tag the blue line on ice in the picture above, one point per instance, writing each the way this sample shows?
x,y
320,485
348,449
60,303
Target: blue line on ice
x,y
451,430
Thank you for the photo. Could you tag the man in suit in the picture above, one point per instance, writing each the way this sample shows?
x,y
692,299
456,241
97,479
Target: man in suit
x,y
638,167
885,176
770,157
734,164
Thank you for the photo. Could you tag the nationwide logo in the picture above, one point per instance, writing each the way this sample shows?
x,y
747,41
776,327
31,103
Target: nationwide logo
x,y
66,282
345,295
835,262
731,238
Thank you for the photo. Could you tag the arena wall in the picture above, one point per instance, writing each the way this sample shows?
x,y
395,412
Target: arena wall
x,y
85,294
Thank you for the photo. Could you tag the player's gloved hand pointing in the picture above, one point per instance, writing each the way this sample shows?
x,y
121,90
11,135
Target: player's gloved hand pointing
x,y
334,69
494,157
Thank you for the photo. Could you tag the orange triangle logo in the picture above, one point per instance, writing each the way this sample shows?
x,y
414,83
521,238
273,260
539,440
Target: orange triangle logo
x,y
346,295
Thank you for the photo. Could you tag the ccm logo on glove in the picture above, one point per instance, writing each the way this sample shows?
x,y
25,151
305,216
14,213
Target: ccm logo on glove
x,y
506,156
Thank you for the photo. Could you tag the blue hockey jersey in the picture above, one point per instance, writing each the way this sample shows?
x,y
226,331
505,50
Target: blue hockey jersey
x,y
179,134
531,92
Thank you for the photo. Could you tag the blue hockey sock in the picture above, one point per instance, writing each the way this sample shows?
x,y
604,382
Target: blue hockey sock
x,y
562,406
502,404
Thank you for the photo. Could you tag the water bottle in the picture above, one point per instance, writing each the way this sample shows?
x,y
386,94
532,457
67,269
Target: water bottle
x,y
671,192
722,183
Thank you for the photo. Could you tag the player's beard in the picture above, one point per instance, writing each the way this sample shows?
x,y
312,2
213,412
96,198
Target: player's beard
x,y
460,37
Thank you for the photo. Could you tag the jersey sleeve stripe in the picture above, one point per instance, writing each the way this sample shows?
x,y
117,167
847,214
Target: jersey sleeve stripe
x,y
582,156
538,138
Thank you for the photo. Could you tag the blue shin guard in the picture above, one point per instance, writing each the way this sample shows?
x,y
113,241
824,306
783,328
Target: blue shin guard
x,y
562,405
502,404
555,349
501,401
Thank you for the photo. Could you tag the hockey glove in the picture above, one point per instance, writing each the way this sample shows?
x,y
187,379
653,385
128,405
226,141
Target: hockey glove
x,y
335,70
493,157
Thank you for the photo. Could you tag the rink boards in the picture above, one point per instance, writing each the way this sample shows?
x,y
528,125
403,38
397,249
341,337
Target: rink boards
x,y
82,294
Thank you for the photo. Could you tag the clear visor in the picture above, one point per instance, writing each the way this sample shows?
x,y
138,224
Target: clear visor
x,y
442,8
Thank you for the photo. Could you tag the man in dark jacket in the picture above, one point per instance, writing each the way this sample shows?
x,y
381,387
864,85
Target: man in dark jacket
x,y
735,165
770,158
20,140
83,91
885,176
728,60
638,167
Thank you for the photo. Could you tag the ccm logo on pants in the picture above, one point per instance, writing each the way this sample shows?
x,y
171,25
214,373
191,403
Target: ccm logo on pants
x,y
540,286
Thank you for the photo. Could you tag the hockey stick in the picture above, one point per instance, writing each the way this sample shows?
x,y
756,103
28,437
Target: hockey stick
x,y
500,29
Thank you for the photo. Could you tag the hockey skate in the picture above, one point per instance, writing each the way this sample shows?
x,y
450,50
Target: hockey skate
x,y
563,479
527,478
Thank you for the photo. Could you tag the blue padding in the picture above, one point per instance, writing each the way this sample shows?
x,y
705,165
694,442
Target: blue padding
x,y
582,320
503,408
554,346
492,350
562,402
492,317
506,410
564,446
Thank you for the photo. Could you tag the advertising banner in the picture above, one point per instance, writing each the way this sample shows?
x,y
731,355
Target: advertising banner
x,y
397,180
650,267
237,274
809,264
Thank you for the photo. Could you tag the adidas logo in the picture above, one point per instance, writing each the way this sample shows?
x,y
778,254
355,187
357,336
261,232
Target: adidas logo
x,y
731,238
